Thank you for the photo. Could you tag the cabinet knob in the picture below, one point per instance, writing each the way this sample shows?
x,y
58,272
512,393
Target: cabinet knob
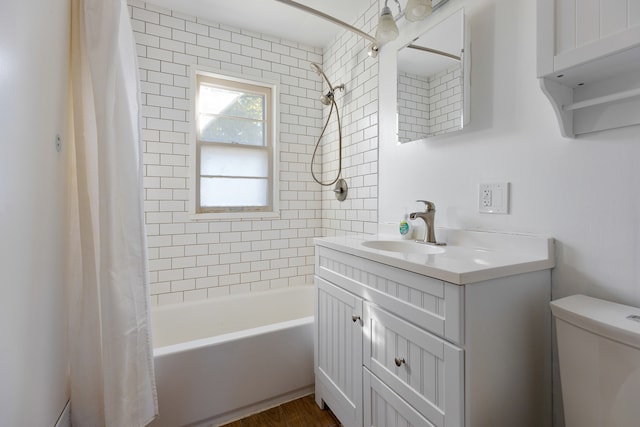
x,y
355,318
399,361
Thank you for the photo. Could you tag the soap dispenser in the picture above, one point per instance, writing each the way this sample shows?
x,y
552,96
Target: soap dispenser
x,y
406,230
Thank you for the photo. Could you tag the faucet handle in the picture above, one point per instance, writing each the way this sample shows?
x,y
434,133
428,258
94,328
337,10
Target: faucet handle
x,y
428,206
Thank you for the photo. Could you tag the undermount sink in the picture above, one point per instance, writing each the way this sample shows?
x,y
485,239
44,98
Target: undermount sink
x,y
406,246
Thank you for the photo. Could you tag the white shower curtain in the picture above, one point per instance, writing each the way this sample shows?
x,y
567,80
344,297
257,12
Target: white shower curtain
x,y
110,358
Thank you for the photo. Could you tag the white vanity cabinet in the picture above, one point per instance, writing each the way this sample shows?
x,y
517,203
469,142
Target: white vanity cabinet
x,y
398,348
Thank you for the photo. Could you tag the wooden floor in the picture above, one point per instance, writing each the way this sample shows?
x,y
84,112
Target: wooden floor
x,y
302,412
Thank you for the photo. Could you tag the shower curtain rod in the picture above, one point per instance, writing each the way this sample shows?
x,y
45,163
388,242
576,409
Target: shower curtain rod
x,y
360,32
329,18
437,52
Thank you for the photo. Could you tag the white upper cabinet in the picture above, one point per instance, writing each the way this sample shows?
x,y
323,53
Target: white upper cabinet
x,y
589,29
589,62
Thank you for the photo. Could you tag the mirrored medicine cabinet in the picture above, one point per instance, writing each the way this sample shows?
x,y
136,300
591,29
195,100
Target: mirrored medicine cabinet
x,y
431,93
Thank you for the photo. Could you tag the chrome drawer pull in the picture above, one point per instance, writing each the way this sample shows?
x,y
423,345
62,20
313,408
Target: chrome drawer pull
x,y
400,362
355,318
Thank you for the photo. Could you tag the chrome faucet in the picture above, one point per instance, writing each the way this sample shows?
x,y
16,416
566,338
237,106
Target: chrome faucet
x,y
428,216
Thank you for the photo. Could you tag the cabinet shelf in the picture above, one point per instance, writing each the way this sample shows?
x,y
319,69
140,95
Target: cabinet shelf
x,y
632,93
589,72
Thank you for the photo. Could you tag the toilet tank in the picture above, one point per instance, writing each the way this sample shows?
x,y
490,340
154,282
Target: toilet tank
x,y
599,359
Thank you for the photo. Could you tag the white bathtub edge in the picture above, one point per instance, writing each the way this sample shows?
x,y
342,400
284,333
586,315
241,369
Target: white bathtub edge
x,y
232,336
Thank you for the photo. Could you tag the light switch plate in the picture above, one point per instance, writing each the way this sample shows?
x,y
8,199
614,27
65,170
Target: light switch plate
x,y
493,198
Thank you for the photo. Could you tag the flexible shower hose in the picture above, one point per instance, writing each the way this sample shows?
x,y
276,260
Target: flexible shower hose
x,y
315,150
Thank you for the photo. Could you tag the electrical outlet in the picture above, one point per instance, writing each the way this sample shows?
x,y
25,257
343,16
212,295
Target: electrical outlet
x,y
485,198
493,198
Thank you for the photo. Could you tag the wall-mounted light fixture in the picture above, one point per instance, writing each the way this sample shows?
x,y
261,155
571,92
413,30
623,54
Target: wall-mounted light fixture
x,y
417,10
387,29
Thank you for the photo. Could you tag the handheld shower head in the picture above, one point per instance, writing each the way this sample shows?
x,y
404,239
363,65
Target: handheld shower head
x,y
315,67
328,98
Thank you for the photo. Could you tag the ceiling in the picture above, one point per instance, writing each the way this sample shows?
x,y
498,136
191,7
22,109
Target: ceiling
x,y
273,18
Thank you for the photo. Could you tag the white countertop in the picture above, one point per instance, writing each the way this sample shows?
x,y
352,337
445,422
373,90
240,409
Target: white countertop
x,y
468,257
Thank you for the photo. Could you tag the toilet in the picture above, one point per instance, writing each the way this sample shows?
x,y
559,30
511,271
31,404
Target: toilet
x,y
599,360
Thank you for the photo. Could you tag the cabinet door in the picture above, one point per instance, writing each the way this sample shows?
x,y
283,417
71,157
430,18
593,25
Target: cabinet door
x,y
423,369
384,408
339,352
572,32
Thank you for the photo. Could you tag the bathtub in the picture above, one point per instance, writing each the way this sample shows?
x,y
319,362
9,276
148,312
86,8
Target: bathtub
x,y
221,359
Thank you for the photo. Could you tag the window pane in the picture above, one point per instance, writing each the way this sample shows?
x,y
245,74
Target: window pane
x,y
229,192
229,102
234,161
234,145
231,130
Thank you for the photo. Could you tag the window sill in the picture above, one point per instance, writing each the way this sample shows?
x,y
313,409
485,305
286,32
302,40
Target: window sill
x,y
210,216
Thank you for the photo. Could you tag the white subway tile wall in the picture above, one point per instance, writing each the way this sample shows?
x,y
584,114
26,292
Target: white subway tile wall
x,y
413,107
346,61
429,106
191,260
445,93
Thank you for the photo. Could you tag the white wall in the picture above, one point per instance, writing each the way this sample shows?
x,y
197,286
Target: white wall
x,y
33,83
192,260
585,193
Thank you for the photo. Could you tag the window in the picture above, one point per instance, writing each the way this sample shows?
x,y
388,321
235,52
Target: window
x,y
234,146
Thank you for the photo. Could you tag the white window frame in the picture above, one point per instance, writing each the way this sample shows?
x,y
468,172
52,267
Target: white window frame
x,y
273,132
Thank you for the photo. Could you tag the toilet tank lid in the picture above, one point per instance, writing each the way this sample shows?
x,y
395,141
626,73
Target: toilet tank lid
x,y
617,322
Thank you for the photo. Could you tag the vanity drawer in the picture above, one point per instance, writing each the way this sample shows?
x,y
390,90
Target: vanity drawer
x,y
384,408
430,303
422,368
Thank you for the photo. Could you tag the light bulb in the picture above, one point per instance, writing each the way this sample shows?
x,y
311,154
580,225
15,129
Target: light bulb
x,y
417,10
387,28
